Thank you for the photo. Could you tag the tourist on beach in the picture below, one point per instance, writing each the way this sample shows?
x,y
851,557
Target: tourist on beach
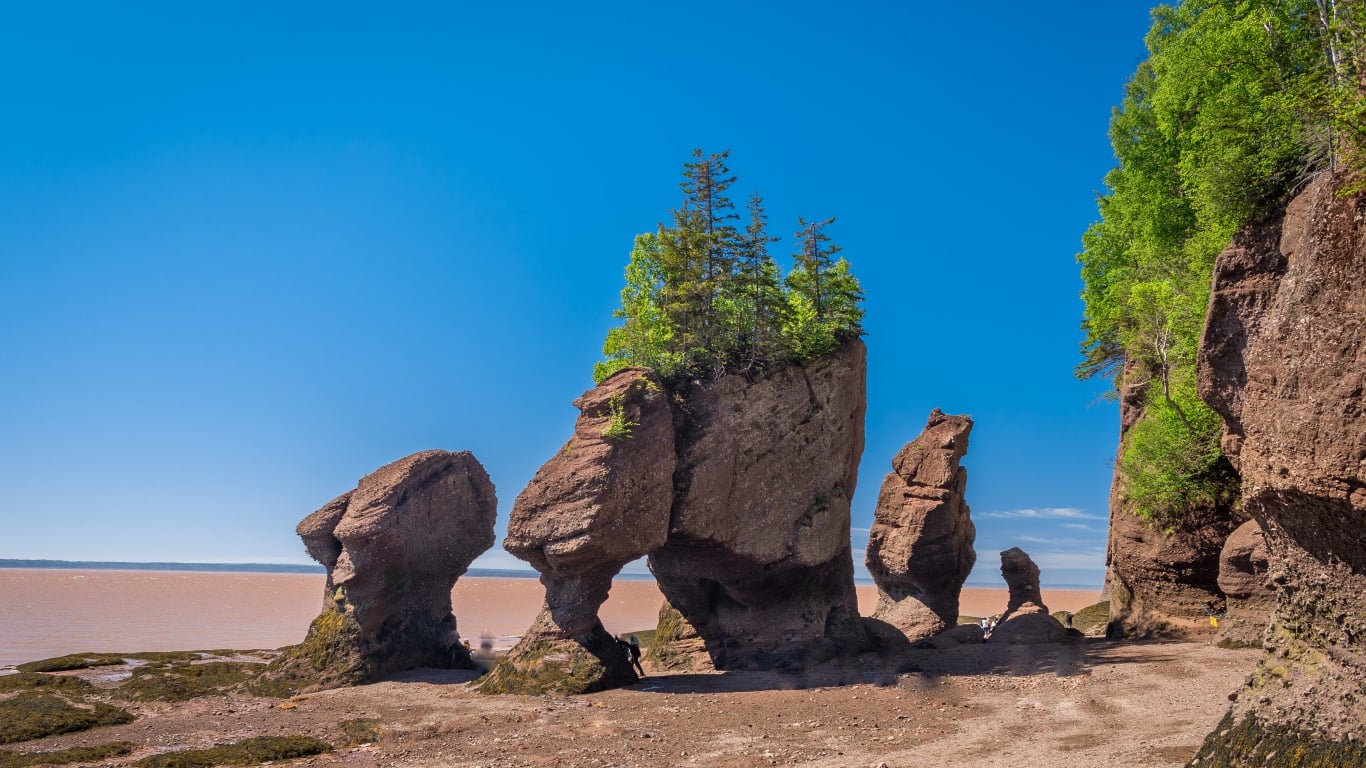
x,y
633,650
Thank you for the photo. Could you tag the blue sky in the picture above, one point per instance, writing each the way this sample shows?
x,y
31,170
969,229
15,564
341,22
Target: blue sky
x,y
248,254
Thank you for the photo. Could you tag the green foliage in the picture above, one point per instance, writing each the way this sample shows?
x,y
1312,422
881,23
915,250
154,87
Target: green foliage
x,y
99,752
29,681
618,425
1239,102
35,714
703,296
254,751
1171,459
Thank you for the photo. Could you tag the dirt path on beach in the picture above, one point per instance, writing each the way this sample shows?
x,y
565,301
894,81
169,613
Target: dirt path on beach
x,y
1090,704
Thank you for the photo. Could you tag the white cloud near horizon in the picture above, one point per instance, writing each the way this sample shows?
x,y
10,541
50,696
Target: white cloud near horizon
x,y
1044,513
1078,526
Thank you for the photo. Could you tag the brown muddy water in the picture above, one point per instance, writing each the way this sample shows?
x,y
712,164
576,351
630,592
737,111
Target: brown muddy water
x,y
51,612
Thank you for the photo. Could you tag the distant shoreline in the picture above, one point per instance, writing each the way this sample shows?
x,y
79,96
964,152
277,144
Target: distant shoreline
x,y
313,568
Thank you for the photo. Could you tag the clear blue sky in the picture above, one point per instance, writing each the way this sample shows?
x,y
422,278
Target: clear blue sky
x,y
249,253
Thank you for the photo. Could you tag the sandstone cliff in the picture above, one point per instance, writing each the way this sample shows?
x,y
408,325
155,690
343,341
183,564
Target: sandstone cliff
x,y
1161,580
393,548
920,546
1283,360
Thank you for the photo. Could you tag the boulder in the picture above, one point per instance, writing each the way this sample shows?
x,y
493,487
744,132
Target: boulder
x,y
1242,578
602,501
920,546
1029,629
758,558
1283,361
959,634
393,548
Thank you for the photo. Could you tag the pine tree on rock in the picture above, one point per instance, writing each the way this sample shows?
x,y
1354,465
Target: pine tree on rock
x,y
759,305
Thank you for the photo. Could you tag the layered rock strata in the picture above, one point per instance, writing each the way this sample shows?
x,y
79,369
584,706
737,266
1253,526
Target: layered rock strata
x,y
1026,618
920,546
758,559
599,503
1283,360
1161,579
393,549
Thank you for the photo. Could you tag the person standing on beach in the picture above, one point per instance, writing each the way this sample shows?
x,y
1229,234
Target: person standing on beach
x,y
634,650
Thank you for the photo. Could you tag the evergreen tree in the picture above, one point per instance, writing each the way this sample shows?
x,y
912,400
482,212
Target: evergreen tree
x,y
823,296
758,302
702,297
698,256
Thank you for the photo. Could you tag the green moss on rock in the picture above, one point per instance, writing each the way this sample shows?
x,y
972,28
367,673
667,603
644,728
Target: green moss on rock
x,y
35,714
360,730
32,681
327,657
185,681
66,756
1249,744
255,751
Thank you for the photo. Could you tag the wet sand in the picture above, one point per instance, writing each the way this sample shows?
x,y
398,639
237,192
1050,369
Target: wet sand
x,y
46,613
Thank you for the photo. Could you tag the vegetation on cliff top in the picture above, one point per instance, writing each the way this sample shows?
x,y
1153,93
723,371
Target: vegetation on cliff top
x,y
704,294
1239,103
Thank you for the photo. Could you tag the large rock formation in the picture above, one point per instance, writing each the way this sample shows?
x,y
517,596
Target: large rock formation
x,y
1283,360
1155,577
393,549
1242,578
600,503
920,547
737,486
758,557
1026,618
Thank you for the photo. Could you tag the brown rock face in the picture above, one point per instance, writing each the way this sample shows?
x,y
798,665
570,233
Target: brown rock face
x,y
1026,618
393,548
1283,360
1242,578
598,504
1156,577
920,547
758,557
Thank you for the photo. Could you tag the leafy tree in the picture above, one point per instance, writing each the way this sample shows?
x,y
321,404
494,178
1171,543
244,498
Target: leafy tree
x,y
1239,102
645,337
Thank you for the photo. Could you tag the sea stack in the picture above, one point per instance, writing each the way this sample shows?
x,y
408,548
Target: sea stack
x,y
758,560
393,549
602,501
1026,618
920,546
1283,361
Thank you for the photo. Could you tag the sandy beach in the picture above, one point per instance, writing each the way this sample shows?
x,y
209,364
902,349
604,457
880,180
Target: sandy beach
x,y
1070,704
50,612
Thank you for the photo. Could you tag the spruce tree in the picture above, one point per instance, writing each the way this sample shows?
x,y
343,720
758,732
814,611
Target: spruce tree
x,y
759,304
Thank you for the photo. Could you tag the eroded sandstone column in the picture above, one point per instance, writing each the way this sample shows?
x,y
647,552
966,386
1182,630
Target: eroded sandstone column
x,y
920,546
393,549
599,503
758,558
